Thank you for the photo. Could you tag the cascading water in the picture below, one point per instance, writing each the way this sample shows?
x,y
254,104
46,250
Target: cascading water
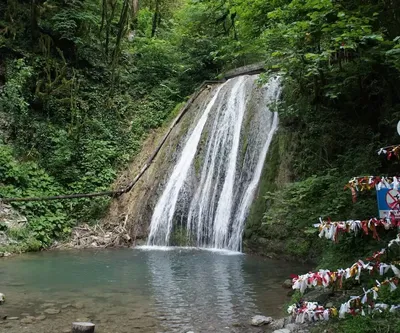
x,y
212,185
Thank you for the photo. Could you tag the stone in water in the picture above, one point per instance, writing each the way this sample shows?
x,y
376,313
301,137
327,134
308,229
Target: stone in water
x,y
47,305
83,327
287,284
78,305
260,320
27,320
51,311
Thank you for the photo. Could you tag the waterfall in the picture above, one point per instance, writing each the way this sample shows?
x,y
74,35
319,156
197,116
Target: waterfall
x,y
237,128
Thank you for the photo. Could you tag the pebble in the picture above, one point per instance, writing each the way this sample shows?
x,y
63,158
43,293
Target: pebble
x,y
27,320
25,314
51,311
41,317
13,318
66,330
66,306
83,320
282,330
47,305
78,305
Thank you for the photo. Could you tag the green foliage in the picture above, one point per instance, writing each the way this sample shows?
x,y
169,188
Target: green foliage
x,y
375,324
13,98
339,62
48,220
81,86
179,237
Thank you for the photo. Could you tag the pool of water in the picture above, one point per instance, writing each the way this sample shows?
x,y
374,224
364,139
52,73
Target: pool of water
x,y
141,290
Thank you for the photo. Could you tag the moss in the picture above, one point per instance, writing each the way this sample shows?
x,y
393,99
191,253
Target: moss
x,y
179,237
272,165
297,247
199,158
174,113
246,129
28,245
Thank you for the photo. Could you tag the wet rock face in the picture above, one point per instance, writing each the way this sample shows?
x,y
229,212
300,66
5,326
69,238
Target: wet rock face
x,y
10,218
134,210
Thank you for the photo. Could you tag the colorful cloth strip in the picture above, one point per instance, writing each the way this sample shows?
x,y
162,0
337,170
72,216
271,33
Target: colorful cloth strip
x,y
330,230
371,182
312,311
326,277
390,152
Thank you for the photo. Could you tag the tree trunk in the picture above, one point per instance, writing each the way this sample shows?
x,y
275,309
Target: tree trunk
x,y
82,327
135,8
34,22
155,19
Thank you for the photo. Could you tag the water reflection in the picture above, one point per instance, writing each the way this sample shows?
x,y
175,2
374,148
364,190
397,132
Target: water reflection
x,y
196,290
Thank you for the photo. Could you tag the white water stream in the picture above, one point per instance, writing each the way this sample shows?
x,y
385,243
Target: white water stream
x,y
213,206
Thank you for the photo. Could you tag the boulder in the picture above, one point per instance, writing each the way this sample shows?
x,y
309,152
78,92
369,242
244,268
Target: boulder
x,y
292,327
260,320
51,311
319,294
277,324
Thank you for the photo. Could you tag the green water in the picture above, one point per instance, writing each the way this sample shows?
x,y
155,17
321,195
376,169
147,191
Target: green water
x,y
129,290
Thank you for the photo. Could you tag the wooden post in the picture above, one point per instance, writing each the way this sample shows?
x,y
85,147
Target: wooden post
x,y
82,327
